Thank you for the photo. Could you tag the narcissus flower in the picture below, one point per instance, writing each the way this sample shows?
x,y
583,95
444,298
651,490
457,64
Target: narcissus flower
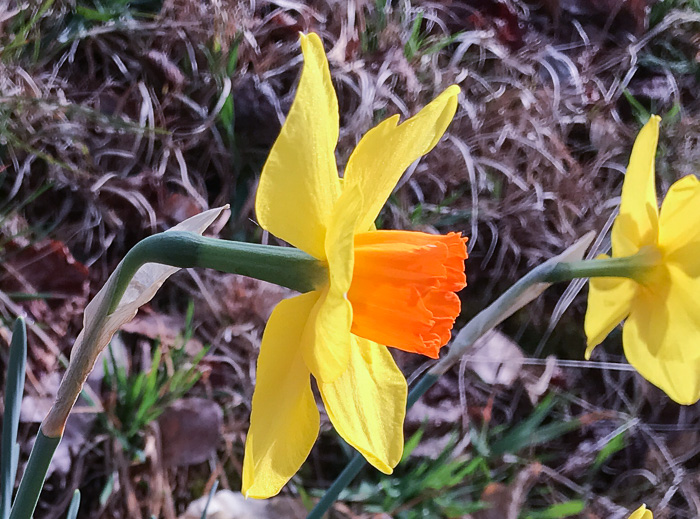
x,y
392,288
642,513
661,334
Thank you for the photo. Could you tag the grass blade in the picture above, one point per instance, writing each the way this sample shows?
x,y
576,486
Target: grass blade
x,y
211,494
14,389
74,506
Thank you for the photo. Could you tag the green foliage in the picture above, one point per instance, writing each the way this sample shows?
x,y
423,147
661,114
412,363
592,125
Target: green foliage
x,y
111,10
140,398
532,431
222,64
659,10
74,505
615,445
415,41
559,510
25,29
673,51
39,29
422,44
375,23
451,486
440,487
642,115
14,388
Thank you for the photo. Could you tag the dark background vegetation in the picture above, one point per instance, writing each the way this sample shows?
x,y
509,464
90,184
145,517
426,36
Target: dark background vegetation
x,y
120,118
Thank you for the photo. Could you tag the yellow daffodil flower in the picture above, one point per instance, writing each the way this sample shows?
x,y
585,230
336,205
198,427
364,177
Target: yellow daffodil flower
x,y
642,513
394,288
661,334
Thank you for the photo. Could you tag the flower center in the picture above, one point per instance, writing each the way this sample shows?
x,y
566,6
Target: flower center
x,y
403,288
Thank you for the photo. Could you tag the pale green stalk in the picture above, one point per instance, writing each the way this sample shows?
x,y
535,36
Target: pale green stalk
x,y
34,475
14,389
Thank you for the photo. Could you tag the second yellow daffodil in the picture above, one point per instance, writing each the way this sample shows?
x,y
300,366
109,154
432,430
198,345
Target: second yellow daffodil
x,y
661,334
384,288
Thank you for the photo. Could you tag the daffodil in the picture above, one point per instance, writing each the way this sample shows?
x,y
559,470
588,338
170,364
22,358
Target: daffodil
x,y
383,288
660,301
642,513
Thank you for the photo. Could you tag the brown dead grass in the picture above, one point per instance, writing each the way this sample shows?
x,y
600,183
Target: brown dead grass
x,y
124,123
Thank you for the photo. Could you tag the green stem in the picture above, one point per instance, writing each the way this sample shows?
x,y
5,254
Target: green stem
x,y
635,267
284,266
14,389
33,478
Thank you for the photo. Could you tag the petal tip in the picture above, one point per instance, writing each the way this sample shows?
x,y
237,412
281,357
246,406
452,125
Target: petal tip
x,y
452,91
310,39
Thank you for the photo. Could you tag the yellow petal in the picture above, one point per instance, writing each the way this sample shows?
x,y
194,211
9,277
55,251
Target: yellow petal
x,y
608,304
284,422
679,224
326,343
326,338
384,153
299,182
661,335
637,223
642,513
367,404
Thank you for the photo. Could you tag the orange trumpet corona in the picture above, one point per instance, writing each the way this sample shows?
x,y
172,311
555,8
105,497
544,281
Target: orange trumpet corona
x,y
423,272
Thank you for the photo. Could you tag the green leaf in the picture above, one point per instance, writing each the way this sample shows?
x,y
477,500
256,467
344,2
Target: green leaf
x,y
640,113
74,506
559,510
93,15
414,41
615,445
521,435
411,444
14,388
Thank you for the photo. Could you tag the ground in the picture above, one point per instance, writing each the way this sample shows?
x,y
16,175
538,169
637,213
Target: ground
x,y
119,119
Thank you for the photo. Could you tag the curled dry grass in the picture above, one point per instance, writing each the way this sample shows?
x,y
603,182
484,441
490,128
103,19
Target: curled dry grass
x,y
128,121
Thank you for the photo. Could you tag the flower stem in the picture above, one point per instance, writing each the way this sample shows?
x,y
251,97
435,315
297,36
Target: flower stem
x,y
284,266
33,478
635,267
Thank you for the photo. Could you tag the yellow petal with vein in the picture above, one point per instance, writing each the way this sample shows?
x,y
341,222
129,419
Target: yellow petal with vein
x,y
637,223
384,153
284,422
299,182
326,342
679,224
609,302
661,335
367,404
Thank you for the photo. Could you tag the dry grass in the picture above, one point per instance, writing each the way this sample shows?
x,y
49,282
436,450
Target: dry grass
x,y
127,121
